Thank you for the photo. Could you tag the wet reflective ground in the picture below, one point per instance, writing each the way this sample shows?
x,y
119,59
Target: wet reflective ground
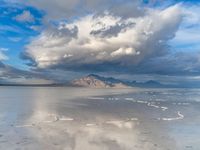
x,y
60,118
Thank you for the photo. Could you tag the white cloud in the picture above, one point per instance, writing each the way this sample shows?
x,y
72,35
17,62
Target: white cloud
x,y
2,55
25,16
15,39
188,36
105,39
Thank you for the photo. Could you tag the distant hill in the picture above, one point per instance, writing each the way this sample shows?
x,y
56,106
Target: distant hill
x,y
150,84
96,81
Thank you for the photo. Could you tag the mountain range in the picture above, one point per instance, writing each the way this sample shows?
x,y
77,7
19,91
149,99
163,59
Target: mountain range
x,y
96,81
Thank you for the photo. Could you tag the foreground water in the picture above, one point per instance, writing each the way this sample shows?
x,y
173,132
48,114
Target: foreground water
x,y
60,118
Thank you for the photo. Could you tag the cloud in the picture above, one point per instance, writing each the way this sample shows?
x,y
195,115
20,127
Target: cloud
x,y
133,37
179,63
15,39
11,75
25,16
188,36
2,55
105,41
62,9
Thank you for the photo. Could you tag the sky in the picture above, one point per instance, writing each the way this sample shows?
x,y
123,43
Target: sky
x,y
52,41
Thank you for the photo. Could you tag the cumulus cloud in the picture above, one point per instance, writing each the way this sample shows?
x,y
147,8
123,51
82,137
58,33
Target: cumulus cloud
x,y
25,16
120,36
105,40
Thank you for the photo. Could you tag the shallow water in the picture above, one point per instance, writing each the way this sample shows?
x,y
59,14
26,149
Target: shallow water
x,y
60,118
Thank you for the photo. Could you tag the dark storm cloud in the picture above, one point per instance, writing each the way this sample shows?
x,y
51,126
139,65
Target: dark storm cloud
x,y
112,30
62,9
11,75
180,63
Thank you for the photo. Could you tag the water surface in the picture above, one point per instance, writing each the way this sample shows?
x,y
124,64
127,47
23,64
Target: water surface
x,y
61,118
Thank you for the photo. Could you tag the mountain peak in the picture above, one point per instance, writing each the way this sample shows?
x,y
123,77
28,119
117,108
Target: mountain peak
x,y
96,81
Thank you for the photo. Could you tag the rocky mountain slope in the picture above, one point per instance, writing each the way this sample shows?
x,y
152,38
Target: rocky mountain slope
x,y
95,81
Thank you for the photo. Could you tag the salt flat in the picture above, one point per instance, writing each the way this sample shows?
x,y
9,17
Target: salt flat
x,y
57,118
